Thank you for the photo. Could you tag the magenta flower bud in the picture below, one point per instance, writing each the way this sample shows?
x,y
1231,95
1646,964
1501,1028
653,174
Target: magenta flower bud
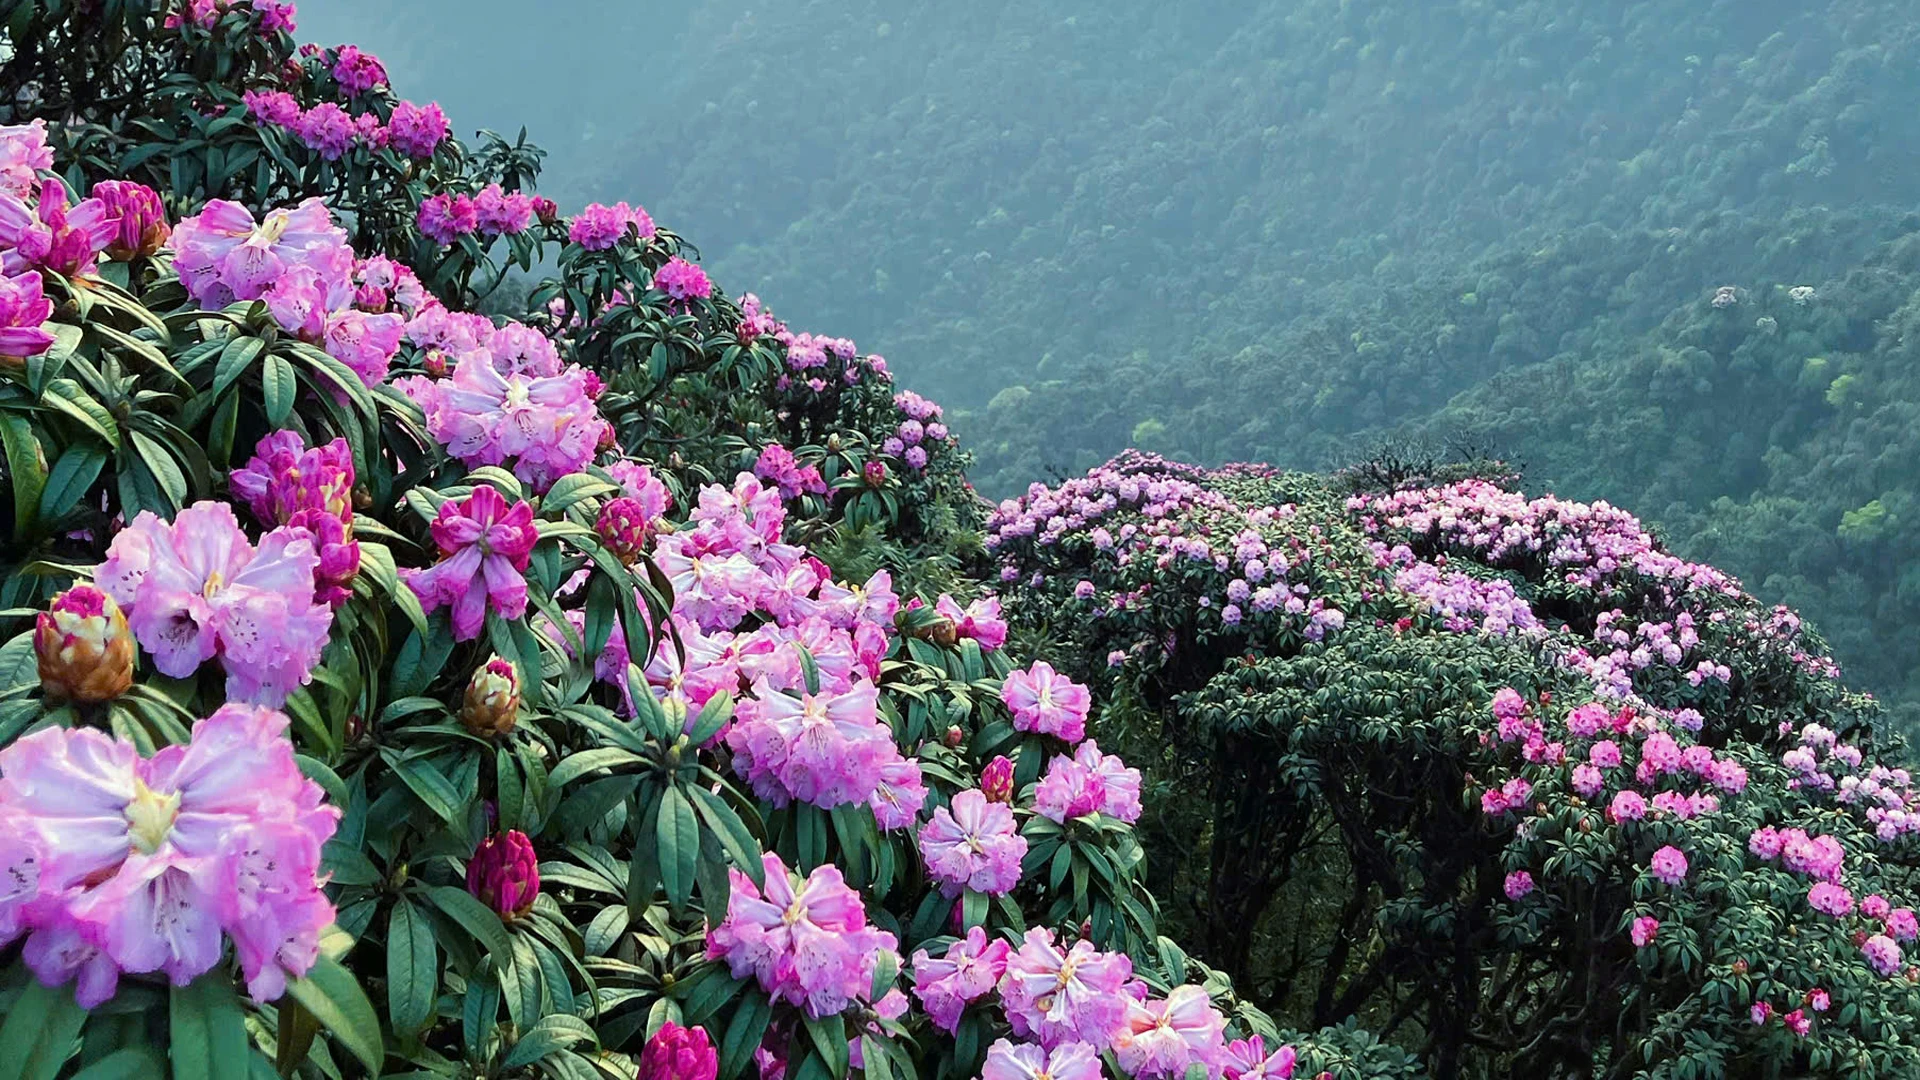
x,y
875,473
24,311
623,528
504,874
677,1053
143,220
84,647
435,364
56,235
339,555
546,209
954,736
996,780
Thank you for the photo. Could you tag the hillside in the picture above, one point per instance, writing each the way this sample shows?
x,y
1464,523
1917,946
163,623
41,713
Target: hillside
x,y
1286,232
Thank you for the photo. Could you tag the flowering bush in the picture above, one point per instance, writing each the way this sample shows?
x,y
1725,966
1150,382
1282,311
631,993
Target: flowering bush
x,y
411,690
1454,737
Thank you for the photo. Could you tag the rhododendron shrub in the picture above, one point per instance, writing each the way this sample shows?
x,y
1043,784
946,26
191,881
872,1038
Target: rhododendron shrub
x,y
608,656
1453,737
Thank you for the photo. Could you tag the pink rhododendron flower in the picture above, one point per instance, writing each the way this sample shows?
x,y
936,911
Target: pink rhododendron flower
x,y
447,216
502,213
546,425
979,620
598,227
967,973
1059,997
1830,899
1644,929
1882,953
1248,1059
642,486
1089,782
196,589
824,748
357,72
57,235
24,153
417,130
1669,864
326,129
284,483
1162,1038
140,865
1024,1061
24,311
899,795
485,547
806,940
1047,702
222,255
1518,884
682,281
973,845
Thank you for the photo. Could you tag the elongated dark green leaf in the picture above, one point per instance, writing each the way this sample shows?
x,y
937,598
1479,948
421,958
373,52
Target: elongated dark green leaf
x,y
67,396
744,1032
520,984
277,388
69,480
126,1063
166,471
333,996
574,766
555,1032
42,1031
425,781
26,468
572,488
235,359
209,1032
734,836
678,836
413,968
477,918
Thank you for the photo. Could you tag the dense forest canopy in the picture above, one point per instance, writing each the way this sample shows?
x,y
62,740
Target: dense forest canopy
x,y
1287,231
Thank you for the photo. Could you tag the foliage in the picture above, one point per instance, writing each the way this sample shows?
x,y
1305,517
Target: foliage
x,y
1449,738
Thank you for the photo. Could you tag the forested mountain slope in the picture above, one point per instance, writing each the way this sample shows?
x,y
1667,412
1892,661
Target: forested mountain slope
x,y
1283,231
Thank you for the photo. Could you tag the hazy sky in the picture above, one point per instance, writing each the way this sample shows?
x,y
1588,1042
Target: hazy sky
x,y
574,72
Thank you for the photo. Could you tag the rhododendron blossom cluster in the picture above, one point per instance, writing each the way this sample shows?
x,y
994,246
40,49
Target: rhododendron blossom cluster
x,y
197,589
122,864
806,940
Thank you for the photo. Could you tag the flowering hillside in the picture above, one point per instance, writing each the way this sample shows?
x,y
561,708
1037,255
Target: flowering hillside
x,y
426,667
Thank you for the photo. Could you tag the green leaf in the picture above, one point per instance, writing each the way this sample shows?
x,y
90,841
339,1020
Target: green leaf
x,y
42,1031
69,480
829,1037
571,489
679,839
332,994
166,471
277,387
25,468
477,918
555,1032
744,1032
425,781
413,968
734,836
209,1032
235,359
66,396
126,1063
18,664
574,766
